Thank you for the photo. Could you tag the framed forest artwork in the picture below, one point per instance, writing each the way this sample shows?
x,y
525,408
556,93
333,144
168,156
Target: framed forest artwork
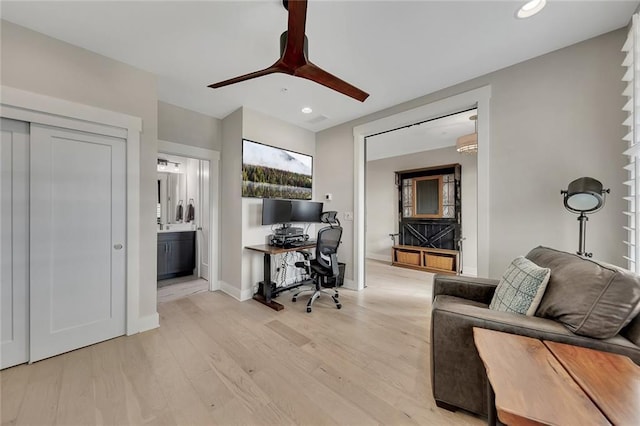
x,y
270,172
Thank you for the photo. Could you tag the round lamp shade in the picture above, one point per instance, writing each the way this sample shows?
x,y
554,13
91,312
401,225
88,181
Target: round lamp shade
x,y
584,195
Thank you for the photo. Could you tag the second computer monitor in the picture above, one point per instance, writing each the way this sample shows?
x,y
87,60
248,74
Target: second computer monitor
x,y
306,211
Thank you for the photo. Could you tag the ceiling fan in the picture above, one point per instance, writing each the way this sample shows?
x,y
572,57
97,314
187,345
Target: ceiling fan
x,y
293,57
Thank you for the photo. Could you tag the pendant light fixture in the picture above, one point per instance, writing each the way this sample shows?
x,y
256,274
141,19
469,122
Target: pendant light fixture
x,y
468,144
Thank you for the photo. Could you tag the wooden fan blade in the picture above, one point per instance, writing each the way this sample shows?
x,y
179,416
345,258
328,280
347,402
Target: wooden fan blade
x,y
294,51
320,76
277,67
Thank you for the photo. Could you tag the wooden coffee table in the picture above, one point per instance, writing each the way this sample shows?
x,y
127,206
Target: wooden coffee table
x,y
539,382
612,381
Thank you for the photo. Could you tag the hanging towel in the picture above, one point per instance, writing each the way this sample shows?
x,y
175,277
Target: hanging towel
x,y
179,212
191,213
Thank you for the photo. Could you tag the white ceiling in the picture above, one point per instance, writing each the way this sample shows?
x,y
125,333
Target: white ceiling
x,y
395,50
433,134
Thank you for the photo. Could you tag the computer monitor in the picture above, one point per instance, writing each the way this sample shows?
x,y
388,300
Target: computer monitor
x,y
306,211
275,211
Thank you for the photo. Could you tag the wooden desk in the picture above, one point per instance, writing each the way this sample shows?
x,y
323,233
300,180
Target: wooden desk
x,y
531,386
266,282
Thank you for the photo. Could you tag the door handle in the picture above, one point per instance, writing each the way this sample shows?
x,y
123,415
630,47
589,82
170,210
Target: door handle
x,y
117,246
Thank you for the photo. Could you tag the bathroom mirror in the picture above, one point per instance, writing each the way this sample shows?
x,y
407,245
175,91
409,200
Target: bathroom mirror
x,y
172,191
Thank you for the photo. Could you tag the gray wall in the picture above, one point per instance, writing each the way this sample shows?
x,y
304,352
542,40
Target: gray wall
x,y
179,125
242,217
261,128
382,200
37,63
554,118
231,204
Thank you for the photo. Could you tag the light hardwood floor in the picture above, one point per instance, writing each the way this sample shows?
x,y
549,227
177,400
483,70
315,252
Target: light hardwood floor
x,y
218,361
178,288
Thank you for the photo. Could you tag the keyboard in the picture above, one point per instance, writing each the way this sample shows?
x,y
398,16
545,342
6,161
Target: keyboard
x,y
298,243
294,244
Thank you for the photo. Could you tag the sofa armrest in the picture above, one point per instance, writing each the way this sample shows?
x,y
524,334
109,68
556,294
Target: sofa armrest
x,y
470,288
457,372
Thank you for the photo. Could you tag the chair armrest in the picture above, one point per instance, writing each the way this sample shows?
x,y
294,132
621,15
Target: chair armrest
x,y
304,253
470,288
305,264
335,270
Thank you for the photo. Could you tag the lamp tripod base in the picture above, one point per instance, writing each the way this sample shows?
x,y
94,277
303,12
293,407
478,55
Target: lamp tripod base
x,y
583,236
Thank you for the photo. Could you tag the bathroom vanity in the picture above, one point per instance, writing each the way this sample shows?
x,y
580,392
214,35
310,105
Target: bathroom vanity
x,y
176,253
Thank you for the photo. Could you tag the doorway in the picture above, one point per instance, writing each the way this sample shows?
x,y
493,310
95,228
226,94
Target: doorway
x,y
480,98
422,149
186,217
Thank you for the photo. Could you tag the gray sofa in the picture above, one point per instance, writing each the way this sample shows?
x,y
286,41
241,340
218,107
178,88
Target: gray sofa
x,y
583,298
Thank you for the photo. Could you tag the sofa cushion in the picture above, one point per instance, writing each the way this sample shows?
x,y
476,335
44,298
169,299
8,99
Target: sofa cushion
x,y
521,288
590,298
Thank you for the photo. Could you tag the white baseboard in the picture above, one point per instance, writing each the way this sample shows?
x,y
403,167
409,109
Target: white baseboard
x,y
229,289
349,284
469,271
246,294
214,285
148,323
235,292
380,257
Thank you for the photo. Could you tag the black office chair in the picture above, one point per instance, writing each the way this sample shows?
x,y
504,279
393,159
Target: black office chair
x,y
323,269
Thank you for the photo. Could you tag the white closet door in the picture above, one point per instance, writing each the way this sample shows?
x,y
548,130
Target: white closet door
x,y
77,240
14,243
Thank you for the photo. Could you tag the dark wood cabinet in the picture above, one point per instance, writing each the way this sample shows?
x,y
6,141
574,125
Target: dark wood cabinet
x,y
176,254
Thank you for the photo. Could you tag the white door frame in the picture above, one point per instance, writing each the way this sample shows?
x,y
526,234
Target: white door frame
x,y
213,157
36,108
480,97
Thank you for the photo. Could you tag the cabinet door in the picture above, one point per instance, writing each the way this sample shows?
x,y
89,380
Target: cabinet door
x,y
162,258
181,256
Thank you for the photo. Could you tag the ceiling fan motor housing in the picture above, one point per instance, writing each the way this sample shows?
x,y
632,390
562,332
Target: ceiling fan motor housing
x,y
283,44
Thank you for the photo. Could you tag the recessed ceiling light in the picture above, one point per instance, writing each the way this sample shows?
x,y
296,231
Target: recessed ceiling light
x,y
531,8
307,110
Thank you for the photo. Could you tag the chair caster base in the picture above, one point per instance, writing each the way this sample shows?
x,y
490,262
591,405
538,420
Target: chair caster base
x,y
294,299
339,306
308,309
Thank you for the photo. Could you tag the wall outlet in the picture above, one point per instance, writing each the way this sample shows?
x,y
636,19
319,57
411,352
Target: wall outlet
x,y
328,197
348,215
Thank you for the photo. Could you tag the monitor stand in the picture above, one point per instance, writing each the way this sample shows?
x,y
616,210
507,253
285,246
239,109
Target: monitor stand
x,y
288,231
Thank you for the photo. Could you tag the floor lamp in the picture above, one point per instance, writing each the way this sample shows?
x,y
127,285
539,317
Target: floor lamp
x,y
582,196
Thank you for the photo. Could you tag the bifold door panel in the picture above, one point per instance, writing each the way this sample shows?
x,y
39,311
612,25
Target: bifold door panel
x,y
14,242
63,241
77,268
